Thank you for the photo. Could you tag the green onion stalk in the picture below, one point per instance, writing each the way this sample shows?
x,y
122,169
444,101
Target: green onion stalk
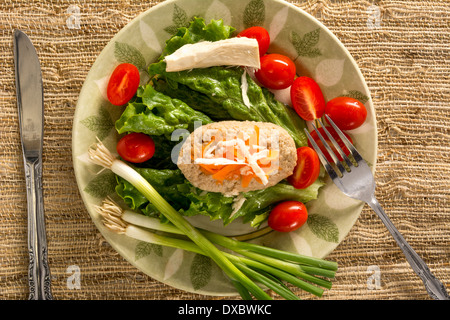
x,y
253,264
100,155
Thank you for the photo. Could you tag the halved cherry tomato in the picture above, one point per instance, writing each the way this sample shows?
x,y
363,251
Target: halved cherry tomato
x,y
307,169
277,71
288,216
123,84
136,147
307,98
334,134
347,113
260,34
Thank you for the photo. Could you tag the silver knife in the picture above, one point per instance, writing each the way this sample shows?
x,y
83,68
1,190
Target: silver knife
x,y
30,103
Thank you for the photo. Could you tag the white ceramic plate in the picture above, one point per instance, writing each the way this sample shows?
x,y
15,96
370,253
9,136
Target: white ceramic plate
x,y
316,52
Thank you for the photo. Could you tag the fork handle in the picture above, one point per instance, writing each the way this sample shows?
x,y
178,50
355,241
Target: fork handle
x,y
434,287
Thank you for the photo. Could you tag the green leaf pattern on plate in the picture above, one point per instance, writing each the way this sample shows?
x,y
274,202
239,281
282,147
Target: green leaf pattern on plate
x,y
306,46
101,124
144,249
254,13
323,227
179,19
126,53
358,95
201,271
102,185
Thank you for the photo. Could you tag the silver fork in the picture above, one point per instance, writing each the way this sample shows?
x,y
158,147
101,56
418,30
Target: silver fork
x,y
355,179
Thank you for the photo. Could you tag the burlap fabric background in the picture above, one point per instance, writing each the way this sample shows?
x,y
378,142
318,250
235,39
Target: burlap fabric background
x,y
402,48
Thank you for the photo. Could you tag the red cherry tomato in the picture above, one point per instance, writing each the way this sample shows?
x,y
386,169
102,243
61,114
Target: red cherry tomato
x,y
347,113
307,169
307,98
123,84
334,134
288,216
277,71
261,35
136,147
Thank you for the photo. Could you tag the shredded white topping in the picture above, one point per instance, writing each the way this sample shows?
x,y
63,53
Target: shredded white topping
x,y
244,89
217,161
235,151
237,204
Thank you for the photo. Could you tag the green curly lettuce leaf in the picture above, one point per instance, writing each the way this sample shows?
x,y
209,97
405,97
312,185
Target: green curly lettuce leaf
x,y
154,113
221,87
196,100
197,31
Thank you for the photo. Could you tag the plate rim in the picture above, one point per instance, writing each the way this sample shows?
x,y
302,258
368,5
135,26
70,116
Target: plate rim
x,y
107,234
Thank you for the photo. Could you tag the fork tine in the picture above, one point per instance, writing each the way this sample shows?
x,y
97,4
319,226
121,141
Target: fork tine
x,y
333,156
344,139
326,164
336,145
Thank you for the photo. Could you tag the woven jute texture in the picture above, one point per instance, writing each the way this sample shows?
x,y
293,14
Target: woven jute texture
x,y
402,49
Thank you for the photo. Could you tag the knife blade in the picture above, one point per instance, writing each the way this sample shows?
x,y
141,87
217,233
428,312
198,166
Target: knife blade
x,y
30,104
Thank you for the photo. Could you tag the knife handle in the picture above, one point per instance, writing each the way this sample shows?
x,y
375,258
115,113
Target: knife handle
x,y
38,272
